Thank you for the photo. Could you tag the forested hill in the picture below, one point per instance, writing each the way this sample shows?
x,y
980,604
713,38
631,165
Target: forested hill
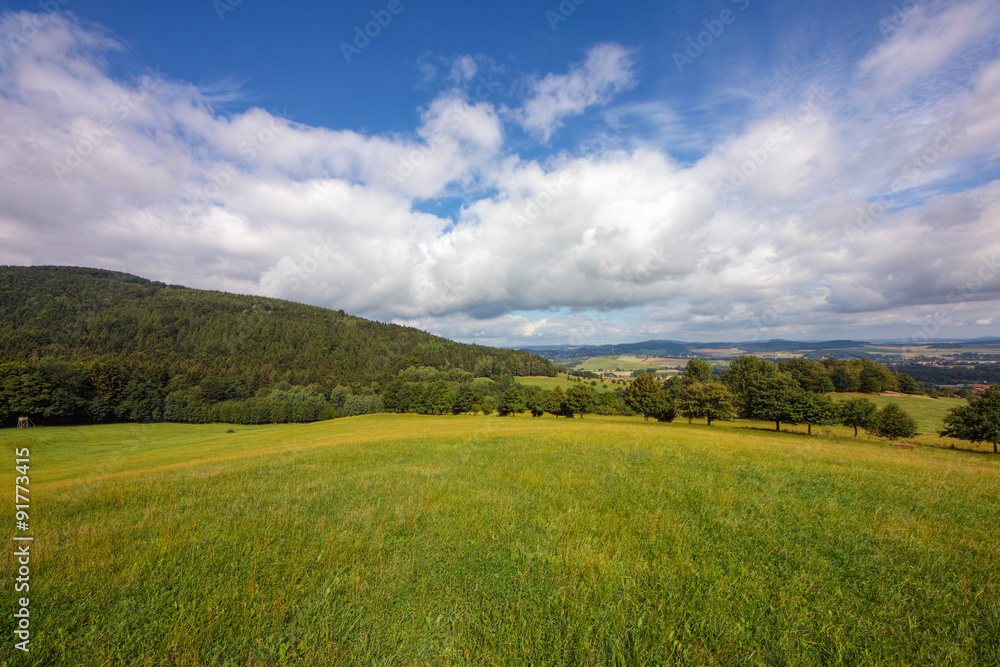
x,y
149,328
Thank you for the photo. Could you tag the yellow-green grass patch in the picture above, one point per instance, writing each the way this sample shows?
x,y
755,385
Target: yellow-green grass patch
x,y
408,539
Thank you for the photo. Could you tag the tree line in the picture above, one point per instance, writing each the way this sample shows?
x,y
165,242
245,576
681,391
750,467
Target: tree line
x,y
53,391
90,346
757,389
430,391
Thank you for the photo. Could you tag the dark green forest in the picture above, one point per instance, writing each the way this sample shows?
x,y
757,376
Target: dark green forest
x,y
82,345
950,375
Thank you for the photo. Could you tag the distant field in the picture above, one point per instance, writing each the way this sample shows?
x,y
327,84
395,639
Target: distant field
x,y
625,362
909,351
929,412
629,362
406,539
561,380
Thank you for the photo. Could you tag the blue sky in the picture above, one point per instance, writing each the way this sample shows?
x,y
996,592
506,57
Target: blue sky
x,y
522,173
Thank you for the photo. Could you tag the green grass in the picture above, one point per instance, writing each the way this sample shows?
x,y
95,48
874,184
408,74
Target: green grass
x,y
402,539
626,362
929,412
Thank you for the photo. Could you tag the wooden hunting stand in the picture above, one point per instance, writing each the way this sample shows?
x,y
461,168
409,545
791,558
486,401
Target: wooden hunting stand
x,y
24,422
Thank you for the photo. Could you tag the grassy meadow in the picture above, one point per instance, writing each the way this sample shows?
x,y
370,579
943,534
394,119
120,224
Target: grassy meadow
x,y
562,380
419,540
928,412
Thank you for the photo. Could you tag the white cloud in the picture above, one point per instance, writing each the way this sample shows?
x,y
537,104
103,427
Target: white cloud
x,y
607,70
980,118
928,37
611,246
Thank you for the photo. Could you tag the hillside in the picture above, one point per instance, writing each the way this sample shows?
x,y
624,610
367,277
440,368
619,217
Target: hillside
x,y
85,345
78,314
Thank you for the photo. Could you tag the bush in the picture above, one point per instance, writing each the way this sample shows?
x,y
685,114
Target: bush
x,y
894,422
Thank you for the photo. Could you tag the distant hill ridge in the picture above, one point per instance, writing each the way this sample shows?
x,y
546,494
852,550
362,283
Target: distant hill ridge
x,y
672,348
80,314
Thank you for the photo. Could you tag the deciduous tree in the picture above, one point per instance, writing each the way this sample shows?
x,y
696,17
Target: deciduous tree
x,y
580,399
641,395
511,402
771,399
698,370
979,421
818,409
744,372
858,412
706,400
556,403
893,422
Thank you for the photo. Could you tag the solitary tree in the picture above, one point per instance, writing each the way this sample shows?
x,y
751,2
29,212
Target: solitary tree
x,y
641,395
893,422
580,398
979,421
858,412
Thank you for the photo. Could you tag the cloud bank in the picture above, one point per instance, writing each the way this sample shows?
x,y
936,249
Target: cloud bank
x,y
859,209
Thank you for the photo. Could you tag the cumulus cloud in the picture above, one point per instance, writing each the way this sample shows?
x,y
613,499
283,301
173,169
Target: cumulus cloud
x,y
805,223
607,70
